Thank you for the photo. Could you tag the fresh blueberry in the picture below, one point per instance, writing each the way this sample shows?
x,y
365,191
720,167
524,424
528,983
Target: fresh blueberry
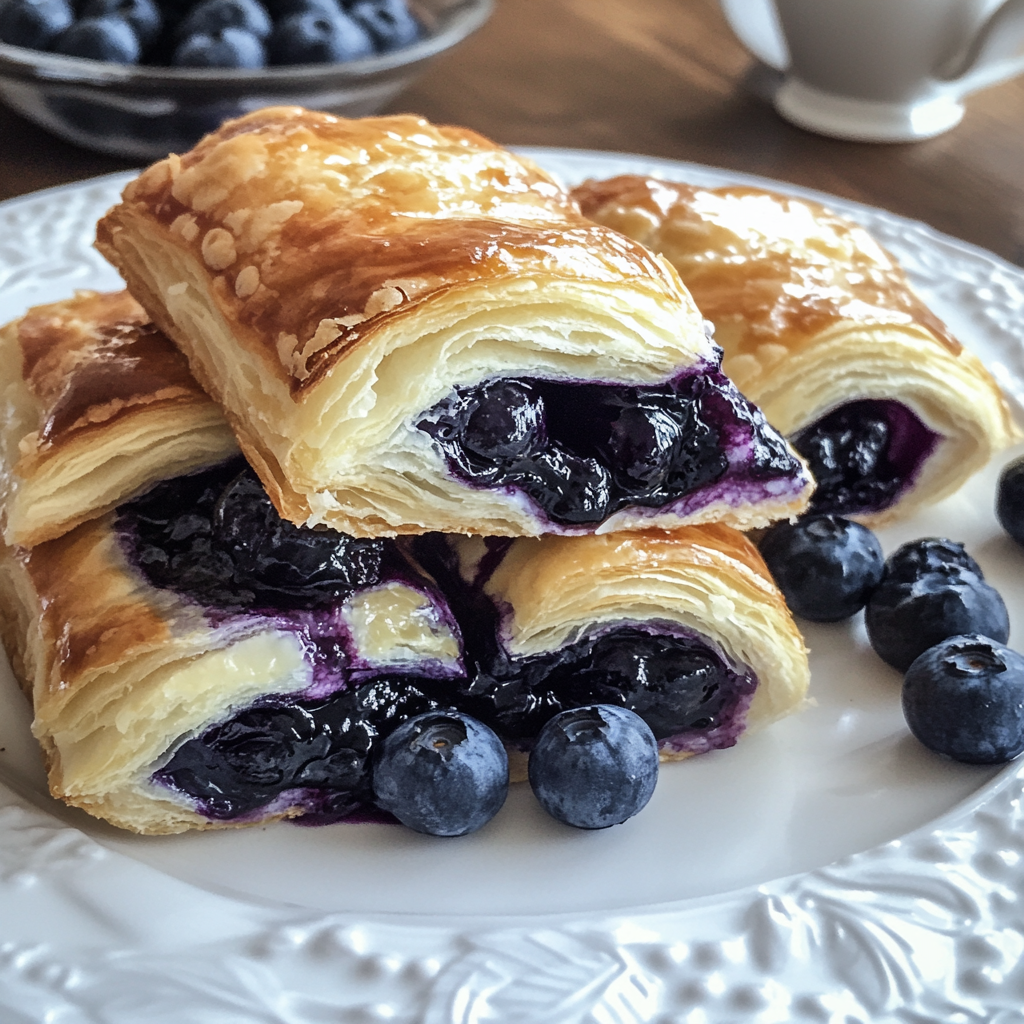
x,y
909,613
964,698
275,557
388,22
228,48
143,15
35,24
212,16
1010,499
442,773
928,555
595,766
825,566
110,39
318,38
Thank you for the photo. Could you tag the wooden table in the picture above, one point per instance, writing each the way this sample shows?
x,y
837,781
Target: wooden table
x,y
665,78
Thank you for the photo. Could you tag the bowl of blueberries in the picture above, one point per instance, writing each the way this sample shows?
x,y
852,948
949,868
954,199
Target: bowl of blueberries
x,y
143,78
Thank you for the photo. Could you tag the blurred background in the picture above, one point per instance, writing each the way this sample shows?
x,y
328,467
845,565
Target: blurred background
x,y
665,78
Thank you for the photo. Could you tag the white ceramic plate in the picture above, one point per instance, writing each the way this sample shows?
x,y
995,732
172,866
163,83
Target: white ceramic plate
x,y
829,869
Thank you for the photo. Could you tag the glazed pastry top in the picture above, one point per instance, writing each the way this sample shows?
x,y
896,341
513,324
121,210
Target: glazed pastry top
x,y
768,269
94,358
318,229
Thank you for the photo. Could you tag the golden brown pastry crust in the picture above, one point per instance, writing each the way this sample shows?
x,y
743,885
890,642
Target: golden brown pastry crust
x,y
100,406
812,313
330,280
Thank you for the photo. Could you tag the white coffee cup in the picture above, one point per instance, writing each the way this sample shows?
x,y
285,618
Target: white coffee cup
x,y
881,70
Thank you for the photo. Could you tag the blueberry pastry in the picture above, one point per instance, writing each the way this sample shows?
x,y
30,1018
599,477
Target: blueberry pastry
x,y
412,330
684,627
195,661
821,328
99,406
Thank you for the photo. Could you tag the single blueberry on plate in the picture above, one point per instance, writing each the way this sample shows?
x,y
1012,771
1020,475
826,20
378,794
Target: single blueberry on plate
x,y
34,23
825,566
925,599
110,39
442,773
964,698
212,16
595,766
315,37
143,15
228,48
388,22
1010,499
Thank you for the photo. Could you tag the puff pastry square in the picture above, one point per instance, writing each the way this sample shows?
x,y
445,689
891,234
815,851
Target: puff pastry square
x,y
187,677
195,662
99,406
821,328
411,330
684,627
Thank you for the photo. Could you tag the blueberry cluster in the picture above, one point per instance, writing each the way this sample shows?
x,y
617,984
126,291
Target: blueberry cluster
x,y
676,685
584,451
862,455
216,538
446,774
210,33
929,613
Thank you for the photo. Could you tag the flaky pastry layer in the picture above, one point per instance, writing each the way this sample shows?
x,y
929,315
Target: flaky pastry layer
x,y
813,314
99,406
330,280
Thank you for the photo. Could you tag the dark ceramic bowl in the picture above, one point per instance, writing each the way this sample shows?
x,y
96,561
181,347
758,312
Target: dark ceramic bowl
x,y
144,112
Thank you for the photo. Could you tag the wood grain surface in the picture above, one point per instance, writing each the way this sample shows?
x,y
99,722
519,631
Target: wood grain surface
x,y
665,78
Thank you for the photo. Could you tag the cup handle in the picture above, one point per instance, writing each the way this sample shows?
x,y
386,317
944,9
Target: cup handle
x,y
756,25
994,54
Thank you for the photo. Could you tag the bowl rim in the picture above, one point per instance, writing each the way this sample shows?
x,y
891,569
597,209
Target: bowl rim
x,y
457,19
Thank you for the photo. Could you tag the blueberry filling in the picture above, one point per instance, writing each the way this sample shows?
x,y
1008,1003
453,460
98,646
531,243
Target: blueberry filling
x,y
679,686
240,765
582,452
863,455
215,537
